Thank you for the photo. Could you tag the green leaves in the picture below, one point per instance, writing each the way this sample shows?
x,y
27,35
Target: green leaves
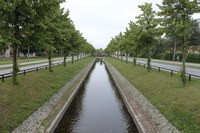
x,y
177,23
39,25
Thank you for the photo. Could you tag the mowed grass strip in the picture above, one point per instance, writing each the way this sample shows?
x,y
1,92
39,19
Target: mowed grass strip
x,y
18,102
9,61
180,105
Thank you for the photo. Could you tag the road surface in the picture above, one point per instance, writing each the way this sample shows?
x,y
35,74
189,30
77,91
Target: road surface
x,y
195,72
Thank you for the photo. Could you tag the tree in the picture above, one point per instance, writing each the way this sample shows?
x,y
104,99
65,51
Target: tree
x,y
15,23
182,9
63,35
126,43
169,24
133,40
147,24
46,26
74,42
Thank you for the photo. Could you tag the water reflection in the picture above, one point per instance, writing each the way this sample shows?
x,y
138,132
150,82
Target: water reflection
x,y
97,108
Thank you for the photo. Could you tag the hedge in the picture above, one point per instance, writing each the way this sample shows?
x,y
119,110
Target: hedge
x,y
191,57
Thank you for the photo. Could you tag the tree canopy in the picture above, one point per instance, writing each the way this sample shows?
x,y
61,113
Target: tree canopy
x,y
153,32
39,26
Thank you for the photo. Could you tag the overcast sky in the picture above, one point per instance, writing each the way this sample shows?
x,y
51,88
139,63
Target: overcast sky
x,y
99,20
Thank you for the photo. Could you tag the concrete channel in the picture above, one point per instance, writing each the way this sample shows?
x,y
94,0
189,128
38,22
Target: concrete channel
x,y
97,107
146,117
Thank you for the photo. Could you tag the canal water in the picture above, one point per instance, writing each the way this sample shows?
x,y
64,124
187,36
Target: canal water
x,y
97,107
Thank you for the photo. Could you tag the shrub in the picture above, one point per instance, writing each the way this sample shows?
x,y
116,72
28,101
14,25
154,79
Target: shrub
x,y
191,57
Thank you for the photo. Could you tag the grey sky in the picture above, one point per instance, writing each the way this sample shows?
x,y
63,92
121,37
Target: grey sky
x,y
99,20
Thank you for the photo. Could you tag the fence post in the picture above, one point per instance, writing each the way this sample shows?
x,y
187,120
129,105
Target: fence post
x,y
24,72
159,69
189,78
37,69
171,72
46,66
3,78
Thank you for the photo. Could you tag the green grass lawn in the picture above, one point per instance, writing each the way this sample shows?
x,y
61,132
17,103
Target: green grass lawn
x,y
20,101
180,105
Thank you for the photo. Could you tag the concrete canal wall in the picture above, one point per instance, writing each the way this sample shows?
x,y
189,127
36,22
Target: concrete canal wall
x,y
146,117
46,118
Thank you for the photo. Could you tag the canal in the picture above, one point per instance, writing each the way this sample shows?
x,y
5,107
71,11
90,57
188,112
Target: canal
x,y
97,107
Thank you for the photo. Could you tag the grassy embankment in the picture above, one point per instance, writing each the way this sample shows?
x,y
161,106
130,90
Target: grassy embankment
x,y
20,101
180,105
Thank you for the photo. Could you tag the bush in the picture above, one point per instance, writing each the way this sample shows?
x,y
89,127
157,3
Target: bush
x,y
191,57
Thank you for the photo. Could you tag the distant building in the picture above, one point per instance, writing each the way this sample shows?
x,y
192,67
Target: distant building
x,y
7,52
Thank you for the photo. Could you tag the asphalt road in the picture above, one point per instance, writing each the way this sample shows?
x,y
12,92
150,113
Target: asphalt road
x,y
195,72
8,70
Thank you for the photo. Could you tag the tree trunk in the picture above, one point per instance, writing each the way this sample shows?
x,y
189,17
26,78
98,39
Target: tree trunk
x,y
28,53
118,54
65,56
80,55
149,61
126,57
49,58
72,57
121,57
174,49
15,68
134,60
16,34
183,73
184,49
77,56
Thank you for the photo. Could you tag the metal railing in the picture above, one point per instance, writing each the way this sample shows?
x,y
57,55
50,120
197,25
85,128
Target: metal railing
x,y
172,71
24,71
169,70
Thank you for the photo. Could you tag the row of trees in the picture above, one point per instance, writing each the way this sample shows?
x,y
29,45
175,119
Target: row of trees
x,y
39,26
143,36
